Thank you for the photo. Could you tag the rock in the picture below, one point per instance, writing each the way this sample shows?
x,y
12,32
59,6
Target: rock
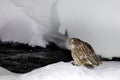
x,y
22,58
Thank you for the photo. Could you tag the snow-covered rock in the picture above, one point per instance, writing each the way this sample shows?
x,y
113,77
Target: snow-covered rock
x,y
29,21
36,22
94,21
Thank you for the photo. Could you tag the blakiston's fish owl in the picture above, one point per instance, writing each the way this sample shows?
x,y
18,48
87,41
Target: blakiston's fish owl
x,y
83,53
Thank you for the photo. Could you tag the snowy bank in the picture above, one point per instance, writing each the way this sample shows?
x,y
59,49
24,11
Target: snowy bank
x,y
66,71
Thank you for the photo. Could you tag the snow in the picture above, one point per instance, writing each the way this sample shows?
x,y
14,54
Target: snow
x,y
66,71
29,21
7,75
96,22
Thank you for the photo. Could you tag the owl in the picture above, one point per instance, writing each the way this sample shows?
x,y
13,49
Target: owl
x,y
83,53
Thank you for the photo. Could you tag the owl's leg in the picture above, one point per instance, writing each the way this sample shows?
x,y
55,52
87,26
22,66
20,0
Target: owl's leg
x,y
76,60
78,64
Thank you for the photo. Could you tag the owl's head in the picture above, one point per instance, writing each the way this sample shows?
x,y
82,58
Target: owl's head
x,y
73,42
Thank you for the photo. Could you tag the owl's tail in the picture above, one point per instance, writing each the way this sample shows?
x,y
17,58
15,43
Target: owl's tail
x,y
95,60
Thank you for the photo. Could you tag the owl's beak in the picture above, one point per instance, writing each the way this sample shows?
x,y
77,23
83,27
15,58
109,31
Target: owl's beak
x,y
68,45
72,46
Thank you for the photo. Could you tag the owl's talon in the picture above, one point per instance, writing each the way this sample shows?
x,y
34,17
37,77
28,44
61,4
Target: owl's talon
x,y
73,63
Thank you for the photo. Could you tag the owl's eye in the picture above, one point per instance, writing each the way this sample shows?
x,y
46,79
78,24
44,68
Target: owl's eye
x,y
72,42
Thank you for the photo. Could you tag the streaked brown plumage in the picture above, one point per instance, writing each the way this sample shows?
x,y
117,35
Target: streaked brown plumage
x,y
83,53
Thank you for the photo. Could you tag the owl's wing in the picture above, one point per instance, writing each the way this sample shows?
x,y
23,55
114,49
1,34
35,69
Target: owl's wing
x,y
90,54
